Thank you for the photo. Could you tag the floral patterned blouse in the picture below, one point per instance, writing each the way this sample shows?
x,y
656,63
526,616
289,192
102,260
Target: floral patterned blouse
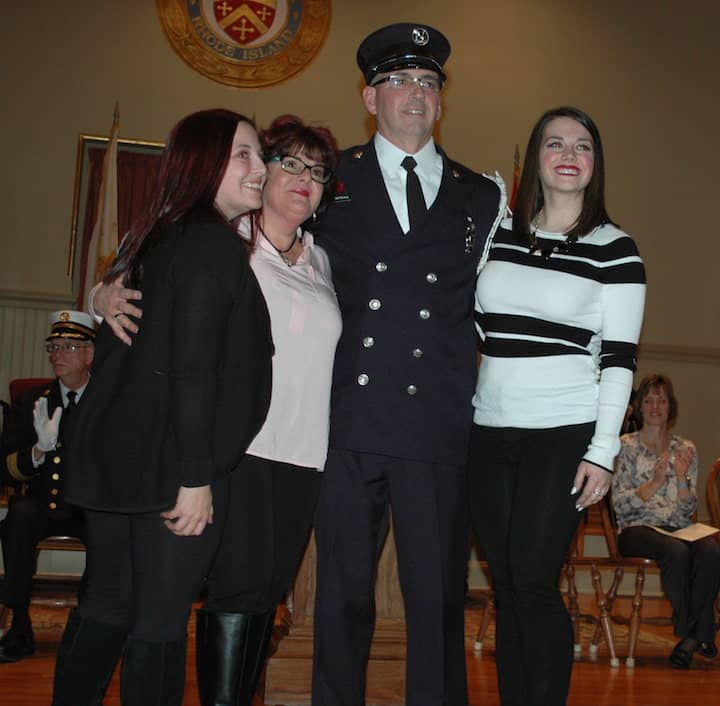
x,y
633,467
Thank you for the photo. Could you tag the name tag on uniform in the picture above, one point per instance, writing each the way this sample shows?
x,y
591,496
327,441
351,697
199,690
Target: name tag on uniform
x,y
341,194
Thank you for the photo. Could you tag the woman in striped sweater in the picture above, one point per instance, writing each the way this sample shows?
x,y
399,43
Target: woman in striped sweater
x,y
559,307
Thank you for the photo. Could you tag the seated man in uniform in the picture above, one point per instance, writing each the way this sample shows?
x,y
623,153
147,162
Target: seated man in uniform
x,y
33,455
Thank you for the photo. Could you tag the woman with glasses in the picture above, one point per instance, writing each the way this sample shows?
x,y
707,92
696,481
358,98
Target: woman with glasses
x,y
164,421
275,487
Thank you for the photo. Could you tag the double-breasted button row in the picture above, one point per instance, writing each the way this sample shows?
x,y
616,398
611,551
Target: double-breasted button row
x,y
363,379
430,277
54,476
375,304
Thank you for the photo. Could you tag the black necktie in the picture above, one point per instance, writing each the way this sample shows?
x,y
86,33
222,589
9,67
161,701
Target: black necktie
x,y
69,407
413,190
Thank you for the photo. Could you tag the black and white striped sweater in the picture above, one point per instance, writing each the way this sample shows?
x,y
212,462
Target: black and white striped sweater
x,y
560,331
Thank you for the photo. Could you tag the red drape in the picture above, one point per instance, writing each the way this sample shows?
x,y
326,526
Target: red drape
x,y
137,173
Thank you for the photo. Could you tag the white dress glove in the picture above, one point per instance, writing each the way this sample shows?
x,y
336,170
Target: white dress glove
x,y
46,427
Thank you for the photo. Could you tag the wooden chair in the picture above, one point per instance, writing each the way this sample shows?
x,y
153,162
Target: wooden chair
x,y
49,589
488,615
618,564
712,493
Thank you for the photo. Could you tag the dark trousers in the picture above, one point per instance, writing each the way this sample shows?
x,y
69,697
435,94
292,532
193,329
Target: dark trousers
x,y
142,576
27,522
430,521
524,516
267,528
690,575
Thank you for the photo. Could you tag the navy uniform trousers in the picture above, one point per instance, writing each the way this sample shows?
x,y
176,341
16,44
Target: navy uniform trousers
x,y
430,523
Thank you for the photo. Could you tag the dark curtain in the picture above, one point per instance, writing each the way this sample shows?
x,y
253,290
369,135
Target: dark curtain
x,y
137,173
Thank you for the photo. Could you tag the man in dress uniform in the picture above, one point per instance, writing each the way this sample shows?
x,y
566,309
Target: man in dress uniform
x,y
405,234
33,454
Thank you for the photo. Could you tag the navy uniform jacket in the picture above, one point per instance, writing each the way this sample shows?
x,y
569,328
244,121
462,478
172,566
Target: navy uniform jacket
x,y
46,483
406,362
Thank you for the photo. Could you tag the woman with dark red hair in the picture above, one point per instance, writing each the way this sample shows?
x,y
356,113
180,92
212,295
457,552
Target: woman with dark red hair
x,y
164,421
275,487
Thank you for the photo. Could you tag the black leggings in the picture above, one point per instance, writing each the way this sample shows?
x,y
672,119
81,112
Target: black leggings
x,y
268,524
519,483
142,576
690,574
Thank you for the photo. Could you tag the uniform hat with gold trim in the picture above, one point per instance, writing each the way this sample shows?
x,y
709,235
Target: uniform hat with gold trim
x,y
403,46
71,324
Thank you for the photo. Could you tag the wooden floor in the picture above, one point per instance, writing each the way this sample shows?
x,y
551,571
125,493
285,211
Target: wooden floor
x,y
652,683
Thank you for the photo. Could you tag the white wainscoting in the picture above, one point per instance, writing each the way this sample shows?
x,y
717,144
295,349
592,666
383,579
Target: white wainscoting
x,y
23,329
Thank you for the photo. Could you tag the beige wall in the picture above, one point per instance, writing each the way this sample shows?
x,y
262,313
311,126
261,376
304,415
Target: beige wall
x,y
646,70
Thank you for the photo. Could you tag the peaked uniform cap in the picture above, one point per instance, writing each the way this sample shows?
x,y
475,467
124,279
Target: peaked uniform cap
x,y
71,324
405,45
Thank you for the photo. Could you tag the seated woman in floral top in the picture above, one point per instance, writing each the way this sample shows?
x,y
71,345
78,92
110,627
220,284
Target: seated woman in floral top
x,y
655,484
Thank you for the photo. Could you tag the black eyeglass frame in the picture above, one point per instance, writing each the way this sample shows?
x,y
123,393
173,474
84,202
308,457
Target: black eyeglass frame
x,y
319,173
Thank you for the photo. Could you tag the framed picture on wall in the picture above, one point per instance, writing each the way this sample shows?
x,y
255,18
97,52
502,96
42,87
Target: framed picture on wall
x,y
138,163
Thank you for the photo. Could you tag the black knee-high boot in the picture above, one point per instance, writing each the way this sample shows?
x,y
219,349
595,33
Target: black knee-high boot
x,y
231,649
86,659
153,673
261,628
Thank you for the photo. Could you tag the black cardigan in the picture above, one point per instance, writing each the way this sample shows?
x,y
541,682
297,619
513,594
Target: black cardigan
x,y
180,406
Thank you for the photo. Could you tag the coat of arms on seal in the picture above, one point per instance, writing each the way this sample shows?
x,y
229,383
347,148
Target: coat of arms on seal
x,y
246,43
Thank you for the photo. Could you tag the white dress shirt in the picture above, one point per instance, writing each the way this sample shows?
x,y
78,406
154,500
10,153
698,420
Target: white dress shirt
x,y
64,391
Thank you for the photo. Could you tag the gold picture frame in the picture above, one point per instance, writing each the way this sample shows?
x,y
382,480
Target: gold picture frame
x,y
246,43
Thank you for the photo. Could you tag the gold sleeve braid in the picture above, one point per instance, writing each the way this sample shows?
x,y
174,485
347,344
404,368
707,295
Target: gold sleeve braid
x,y
15,472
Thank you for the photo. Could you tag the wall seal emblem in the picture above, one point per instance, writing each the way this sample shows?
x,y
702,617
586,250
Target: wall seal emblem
x,y
246,43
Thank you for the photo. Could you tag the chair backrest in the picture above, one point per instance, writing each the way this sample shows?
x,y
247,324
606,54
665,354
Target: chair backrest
x,y
20,385
712,493
609,525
